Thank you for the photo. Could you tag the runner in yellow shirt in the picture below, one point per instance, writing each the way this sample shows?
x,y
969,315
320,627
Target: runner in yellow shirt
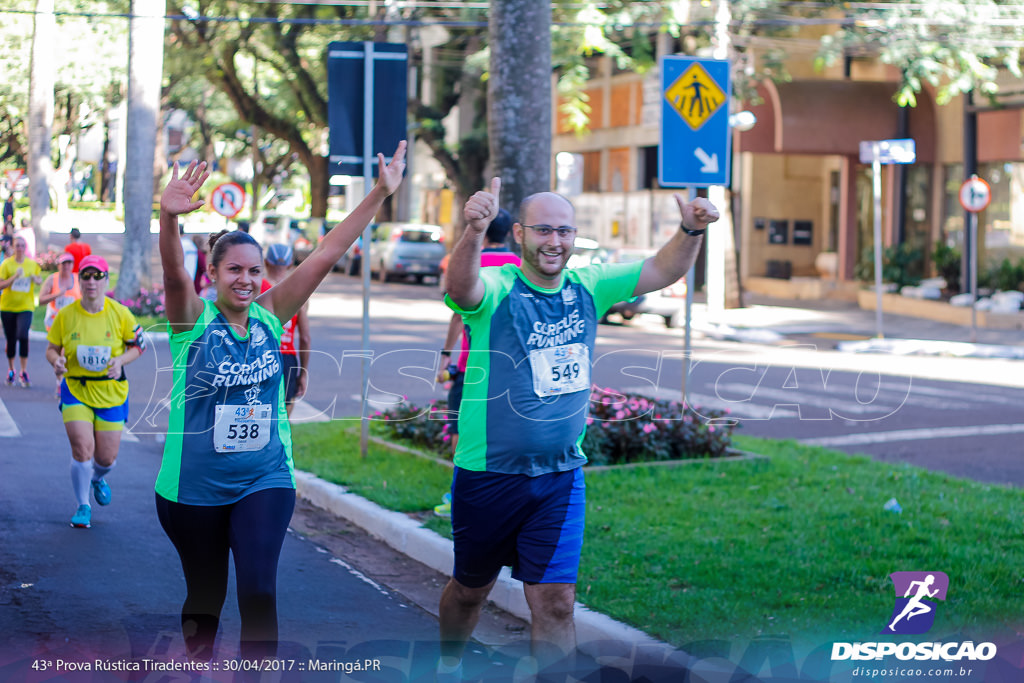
x,y
91,341
19,277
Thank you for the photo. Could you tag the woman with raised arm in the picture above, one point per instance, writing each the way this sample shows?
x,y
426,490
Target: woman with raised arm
x,y
226,483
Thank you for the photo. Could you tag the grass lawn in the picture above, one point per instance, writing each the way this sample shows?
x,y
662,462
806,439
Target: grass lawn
x,y
796,545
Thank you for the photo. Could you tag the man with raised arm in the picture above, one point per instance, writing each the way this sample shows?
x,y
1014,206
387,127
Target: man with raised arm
x,y
517,490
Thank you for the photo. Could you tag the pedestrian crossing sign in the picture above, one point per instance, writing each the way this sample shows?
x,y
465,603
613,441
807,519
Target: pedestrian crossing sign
x,y
694,149
695,96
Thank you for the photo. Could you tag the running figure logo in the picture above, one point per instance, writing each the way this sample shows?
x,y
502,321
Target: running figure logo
x,y
916,593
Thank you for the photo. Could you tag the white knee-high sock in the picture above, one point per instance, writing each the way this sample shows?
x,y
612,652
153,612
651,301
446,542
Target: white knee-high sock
x,y
99,471
81,472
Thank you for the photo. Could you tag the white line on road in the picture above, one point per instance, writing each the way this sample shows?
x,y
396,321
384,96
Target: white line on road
x,y
7,426
359,575
914,435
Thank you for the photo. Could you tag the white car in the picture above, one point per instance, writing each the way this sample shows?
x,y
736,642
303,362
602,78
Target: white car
x,y
407,250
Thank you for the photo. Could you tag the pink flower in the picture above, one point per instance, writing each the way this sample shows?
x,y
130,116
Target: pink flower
x,y
590,421
649,427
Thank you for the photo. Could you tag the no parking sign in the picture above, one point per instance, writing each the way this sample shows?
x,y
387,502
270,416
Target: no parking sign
x,y
228,199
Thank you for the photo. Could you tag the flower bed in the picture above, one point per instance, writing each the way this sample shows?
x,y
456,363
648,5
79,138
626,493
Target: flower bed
x,y
621,428
149,302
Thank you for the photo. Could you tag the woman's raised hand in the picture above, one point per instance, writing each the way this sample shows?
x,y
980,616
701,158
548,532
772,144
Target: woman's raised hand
x,y
390,176
177,196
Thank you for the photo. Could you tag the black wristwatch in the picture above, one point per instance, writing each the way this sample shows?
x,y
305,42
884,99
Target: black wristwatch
x,y
695,233
445,352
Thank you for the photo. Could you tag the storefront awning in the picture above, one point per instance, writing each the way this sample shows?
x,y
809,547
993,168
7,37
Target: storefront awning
x,y
833,117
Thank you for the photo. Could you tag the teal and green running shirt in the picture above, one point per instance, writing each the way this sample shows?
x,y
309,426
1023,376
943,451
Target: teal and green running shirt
x,y
527,384
228,433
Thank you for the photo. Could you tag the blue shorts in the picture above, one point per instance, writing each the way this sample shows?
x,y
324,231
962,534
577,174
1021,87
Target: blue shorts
x,y
106,419
533,524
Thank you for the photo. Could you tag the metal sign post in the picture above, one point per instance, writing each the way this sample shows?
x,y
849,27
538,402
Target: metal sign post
x,y
975,195
362,120
694,148
876,153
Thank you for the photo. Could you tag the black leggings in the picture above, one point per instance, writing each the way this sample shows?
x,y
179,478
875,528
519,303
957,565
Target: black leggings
x,y
16,326
253,530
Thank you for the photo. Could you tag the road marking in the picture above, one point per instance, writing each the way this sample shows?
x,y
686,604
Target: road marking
x,y
304,412
359,575
128,436
914,435
791,397
7,425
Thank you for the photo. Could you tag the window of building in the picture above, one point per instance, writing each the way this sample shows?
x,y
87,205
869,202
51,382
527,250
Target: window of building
x,y
648,168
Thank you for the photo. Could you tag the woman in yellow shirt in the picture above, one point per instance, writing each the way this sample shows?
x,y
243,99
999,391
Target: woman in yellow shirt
x,y
19,277
91,341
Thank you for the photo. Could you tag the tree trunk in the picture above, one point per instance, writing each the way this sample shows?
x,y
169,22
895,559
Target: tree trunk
x,y
319,184
519,98
145,73
40,118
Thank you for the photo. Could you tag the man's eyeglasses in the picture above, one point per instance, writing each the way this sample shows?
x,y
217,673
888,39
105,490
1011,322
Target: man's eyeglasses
x,y
93,275
563,231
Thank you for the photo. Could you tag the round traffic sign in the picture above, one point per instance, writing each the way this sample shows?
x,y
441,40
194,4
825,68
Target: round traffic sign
x,y
228,199
975,194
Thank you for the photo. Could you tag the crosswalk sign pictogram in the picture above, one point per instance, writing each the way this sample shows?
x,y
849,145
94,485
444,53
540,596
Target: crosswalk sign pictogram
x,y
695,96
694,150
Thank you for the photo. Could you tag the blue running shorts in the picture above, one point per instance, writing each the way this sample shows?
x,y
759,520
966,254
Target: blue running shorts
x,y
103,419
532,524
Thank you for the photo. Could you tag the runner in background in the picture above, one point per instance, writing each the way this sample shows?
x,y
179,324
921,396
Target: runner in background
x,y
59,289
296,339
19,277
90,342
77,248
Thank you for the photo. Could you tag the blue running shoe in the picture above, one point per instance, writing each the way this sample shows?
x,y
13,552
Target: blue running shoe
x,y
82,518
10,378
101,492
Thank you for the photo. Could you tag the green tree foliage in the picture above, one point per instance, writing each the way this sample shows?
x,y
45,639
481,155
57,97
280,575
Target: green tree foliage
x,y
957,46
268,59
90,66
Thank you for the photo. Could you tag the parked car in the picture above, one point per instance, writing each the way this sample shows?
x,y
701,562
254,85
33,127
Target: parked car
x,y
630,308
352,260
406,250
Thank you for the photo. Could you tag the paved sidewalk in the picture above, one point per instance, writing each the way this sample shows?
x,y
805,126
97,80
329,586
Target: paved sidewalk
x,y
846,327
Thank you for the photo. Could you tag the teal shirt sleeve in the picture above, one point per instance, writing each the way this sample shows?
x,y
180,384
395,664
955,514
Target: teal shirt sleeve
x,y
609,283
497,281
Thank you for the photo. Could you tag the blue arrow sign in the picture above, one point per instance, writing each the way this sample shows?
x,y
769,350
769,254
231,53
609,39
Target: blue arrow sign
x,y
695,146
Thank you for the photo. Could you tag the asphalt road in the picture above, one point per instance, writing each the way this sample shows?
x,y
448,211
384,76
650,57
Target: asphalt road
x,y
928,412
113,592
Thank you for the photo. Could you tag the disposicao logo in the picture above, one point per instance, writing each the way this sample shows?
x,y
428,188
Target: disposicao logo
x,y
916,593
914,614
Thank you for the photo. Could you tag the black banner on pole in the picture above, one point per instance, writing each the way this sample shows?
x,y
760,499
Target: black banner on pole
x,y
345,105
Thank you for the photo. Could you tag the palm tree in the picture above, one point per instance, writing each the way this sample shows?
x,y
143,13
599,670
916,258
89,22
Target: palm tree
x,y
145,73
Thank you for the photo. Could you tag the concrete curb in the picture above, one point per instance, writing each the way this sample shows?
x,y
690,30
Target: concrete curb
x,y
407,536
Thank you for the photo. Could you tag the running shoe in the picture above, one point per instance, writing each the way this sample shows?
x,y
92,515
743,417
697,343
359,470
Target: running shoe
x,y
82,518
443,675
445,508
24,381
10,378
101,492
